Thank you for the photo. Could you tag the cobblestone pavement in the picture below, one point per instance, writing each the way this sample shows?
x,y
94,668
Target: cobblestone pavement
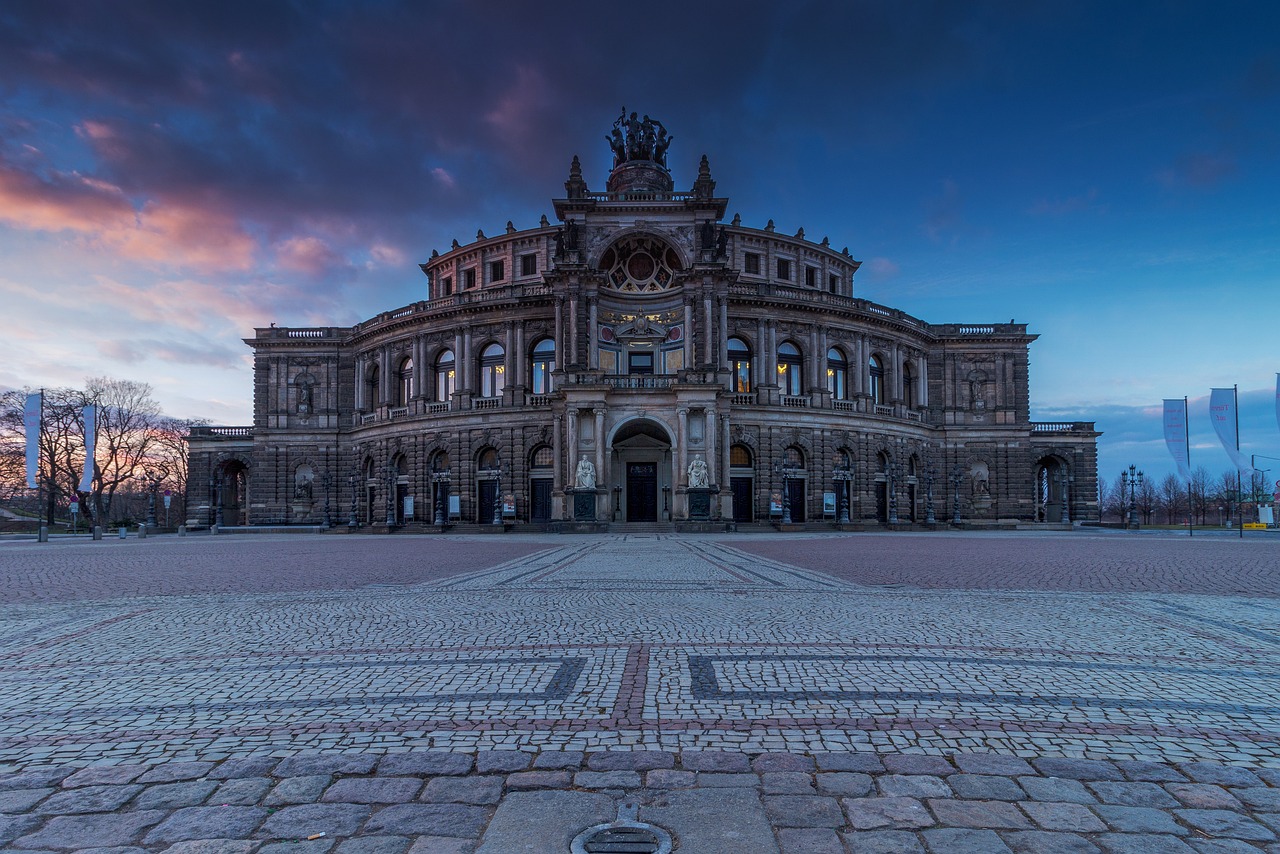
x,y
494,695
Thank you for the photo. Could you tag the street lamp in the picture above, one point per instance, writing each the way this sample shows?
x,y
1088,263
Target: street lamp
x,y
441,480
891,474
497,492
843,476
929,474
785,469
391,494
352,521
1132,479
1063,483
957,478
325,480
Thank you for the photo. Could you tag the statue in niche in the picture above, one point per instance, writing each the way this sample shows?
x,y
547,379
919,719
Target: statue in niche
x,y
981,488
571,235
304,399
585,476
708,236
302,486
699,477
722,244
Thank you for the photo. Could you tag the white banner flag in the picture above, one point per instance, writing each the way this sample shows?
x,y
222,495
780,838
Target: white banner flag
x,y
31,423
90,435
1278,400
1222,412
1175,436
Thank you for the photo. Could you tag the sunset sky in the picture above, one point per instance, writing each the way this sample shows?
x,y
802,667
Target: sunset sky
x,y
173,174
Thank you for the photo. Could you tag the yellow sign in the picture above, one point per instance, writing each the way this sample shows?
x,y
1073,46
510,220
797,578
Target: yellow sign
x,y
1255,526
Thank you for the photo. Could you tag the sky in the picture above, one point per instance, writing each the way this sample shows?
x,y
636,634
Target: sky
x,y
173,175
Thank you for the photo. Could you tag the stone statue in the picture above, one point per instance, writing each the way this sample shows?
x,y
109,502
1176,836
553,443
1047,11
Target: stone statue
x,y
708,236
699,477
980,487
304,399
559,243
722,244
634,138
585,477
571,235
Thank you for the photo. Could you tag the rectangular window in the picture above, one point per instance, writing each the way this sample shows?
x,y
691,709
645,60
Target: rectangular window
x,y
640,363
446,286
497,271
811,277
784,269
529,265
833,283
751,264
469,278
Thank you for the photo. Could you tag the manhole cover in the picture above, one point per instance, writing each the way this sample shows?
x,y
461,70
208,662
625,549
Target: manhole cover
x,y
624,836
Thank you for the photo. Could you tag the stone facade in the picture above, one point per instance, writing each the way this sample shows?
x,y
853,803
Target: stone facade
x,y
638,337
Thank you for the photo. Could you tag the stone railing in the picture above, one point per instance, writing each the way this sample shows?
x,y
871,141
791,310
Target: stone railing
x,y
636,381
1062,426
486,402
539,400
221,433
438,408
882,409
798,402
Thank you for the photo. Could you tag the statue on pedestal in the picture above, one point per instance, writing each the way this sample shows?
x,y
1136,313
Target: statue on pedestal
x,y
699,476
585,476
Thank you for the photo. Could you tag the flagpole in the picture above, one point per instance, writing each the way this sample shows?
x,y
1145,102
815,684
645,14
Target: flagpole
x,y
41,481
1186,432
1235,391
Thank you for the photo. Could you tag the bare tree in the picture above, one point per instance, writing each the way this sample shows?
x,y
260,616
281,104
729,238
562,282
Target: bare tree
x,y
1199,493
127,419
1172,499
1147,499
1114,498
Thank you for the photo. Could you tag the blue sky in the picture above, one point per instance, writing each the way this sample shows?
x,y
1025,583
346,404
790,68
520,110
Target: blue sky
x,y
174,174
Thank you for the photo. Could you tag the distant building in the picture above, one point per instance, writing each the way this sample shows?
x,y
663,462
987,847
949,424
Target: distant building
x,y
641,360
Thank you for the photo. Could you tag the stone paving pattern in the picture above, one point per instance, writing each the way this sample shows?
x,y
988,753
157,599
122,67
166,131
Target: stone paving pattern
x,y
491,695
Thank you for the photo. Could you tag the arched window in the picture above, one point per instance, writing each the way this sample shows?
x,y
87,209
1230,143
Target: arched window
x,y
446,378
740,365
543,457
739,456
371,384
544,363
794,458
404,384
790,368
487,460
440,462
493,377
876,385
908,384
837,374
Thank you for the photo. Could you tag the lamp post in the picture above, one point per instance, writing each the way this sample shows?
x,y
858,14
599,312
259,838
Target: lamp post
x,y
929,474
1132,479
957,477
326,481
891,473
497,493
441,480
352,521
1063,483
391,494
785,469
217,500
666,502
843,476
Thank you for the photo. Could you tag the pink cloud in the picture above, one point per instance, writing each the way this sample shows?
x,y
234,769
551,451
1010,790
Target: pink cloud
x,y
309,255
381,254
517,111
882,268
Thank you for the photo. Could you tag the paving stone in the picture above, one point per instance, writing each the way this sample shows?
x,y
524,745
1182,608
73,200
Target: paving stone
x,y
13,826
714,760
558,817
863,762
845,784
1056,789
667,778
1061,816
298,790
170,796
1270,775
1133,794
173,772
426,763
912,786
985,787
995,814
21,800
992,763
304,846
308,765
103,775
442,845
556,760
1143,771
637,760
1138,820
373,790
1223,775
467,790
956,840
213,846
1261,799
502,761
35,778
207,823
910,763
881,842
71,831
302,821
782,762
1208,796
724,821
113,849
526,780
1221,846
247,766
1077,769
892,813
461,820
241,791
1142,843
787,783
607,779
1270,819
1226,823
712,780
803,811
375,845
89,799
809,840
1045,842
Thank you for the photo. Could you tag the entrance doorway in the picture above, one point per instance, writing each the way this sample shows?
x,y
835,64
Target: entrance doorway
x,y
742,498
488,493
795,496
540,499
642,492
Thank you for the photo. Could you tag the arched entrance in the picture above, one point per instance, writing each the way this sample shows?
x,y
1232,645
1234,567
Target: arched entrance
x,y
231,498
1052,490
641,460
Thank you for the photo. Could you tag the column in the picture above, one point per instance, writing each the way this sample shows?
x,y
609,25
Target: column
x,y
557,446
573,331
707,331
682,438
457,360
593,349
772,352
816,360
559,333
359,383
859,367
385,376
688,334
922,372
711,447
601,481
573,447
521,360
724,332
758,359
464,360
896,369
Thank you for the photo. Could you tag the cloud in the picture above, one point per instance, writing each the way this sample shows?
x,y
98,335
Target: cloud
x,y
201,352
881,268
1199,169
311,256
1069,205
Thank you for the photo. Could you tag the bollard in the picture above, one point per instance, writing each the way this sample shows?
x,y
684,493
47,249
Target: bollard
x,y
213,529
182,530
97,532
43,536
142,532
124,532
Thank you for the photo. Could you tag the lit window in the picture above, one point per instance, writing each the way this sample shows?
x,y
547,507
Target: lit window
x,y
740,365
544,364
492,371
837,374
876,386
790,368
446,379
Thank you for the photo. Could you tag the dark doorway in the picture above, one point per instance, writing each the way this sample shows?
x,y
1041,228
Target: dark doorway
x,y
742,506
795,495
642,492
882,502
402,492
540,500
488,494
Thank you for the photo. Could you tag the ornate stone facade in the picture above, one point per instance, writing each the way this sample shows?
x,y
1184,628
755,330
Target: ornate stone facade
x,y
637,335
